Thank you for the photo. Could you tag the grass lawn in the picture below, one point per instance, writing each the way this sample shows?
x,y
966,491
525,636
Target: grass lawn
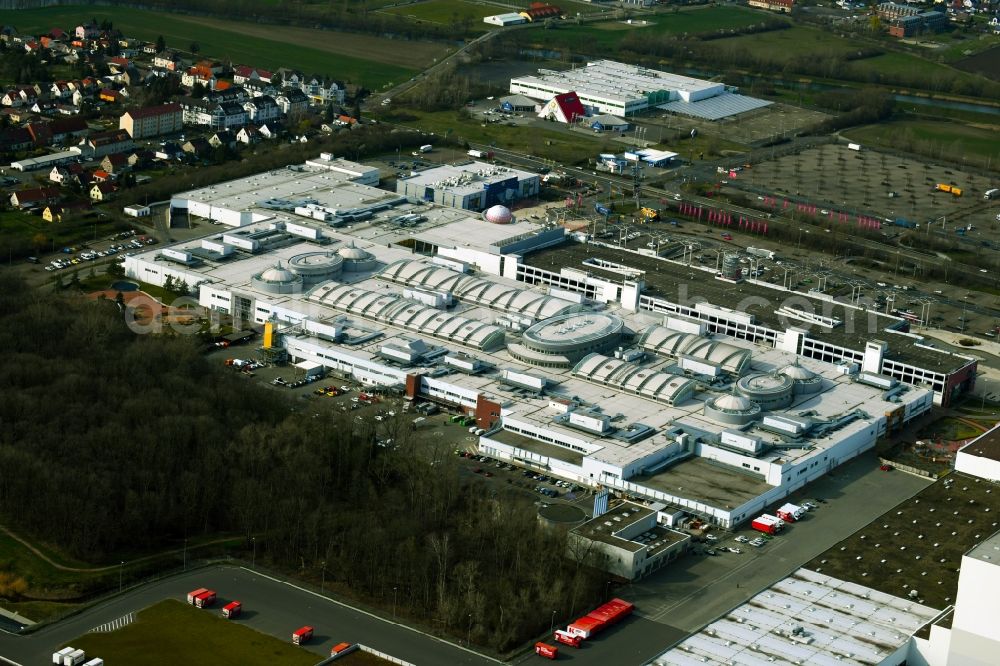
x,y
172,632
912,546
612,33
563,147
948,429
932,138
447,12
230,41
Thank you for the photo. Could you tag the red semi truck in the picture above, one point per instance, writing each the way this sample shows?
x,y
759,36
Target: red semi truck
x,y
302,635
546,650
342,648
232,610
567,638
195,593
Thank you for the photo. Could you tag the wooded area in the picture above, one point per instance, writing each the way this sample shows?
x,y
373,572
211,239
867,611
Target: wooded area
x,y
112,442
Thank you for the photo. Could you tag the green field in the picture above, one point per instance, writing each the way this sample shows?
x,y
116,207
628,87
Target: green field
x,y
448,12
171,632
930,138
224,44
611,34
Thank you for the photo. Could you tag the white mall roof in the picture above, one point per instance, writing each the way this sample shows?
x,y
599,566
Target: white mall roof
x,y
807,618
715,108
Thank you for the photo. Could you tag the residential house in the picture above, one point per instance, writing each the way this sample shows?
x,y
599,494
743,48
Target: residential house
x,y
99,144
35,197
102,192
118,162
60,213
129,47
225,138
197,146
196,111
323,92
215,66
271,130
67,109
60,90
262,109
101,176
118,64
149,48
7,33
168,151
228,115
152,120
87,31
259,88
15,139
248,135
292,101
198,74
243,73
169,60
31,46
227,94
59,131
109,95
57,33
68,174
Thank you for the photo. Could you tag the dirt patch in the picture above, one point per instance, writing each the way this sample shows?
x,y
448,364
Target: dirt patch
x,y
986,64
366,47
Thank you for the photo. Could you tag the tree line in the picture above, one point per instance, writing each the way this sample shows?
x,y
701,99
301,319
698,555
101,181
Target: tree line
x,y
114,443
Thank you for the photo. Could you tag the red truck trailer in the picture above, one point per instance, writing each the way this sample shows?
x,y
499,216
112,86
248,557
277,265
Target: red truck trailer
x,y
612,612
585,627
232,610
195,593
546,650
205,599
766,524
302,635
567,638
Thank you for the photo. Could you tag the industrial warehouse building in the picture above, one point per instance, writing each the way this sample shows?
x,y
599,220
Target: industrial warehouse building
x,y
472,186
618,89
588,378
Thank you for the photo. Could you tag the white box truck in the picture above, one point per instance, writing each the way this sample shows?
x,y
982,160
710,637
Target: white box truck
x,y
74,658
96,661
57,657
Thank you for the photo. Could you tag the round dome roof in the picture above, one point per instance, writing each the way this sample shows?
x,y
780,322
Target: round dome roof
x,y
498,215
277,273
797,372
349,251
733,403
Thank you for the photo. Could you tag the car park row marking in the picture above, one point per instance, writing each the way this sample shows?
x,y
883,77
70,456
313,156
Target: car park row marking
x,y
114,624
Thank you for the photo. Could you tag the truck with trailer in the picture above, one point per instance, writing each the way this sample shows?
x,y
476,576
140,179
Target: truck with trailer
x,y
546,650
205,599
481,154
762,253
566,638
903,222
232,610
991,194
767,524
302,635
600,618
57,657
195,593
74,658
790,513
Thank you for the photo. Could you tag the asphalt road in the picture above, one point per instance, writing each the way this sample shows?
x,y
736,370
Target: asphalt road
x,y
270,606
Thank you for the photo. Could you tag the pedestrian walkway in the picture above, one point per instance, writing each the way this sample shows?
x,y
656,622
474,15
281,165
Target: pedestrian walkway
x,y
114,625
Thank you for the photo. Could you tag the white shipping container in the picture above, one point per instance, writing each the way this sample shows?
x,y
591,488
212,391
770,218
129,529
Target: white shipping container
x,y
299,230
784,425
96,661
740,441
594,422
180,255
524,379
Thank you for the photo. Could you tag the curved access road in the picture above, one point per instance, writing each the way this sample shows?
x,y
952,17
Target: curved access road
x,y
270,606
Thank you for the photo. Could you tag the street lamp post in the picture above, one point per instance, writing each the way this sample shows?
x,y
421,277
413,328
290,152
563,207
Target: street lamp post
x,y
185,554
253,561
552,623
468,640
798,243
606,586
322,581
394,603
121,571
